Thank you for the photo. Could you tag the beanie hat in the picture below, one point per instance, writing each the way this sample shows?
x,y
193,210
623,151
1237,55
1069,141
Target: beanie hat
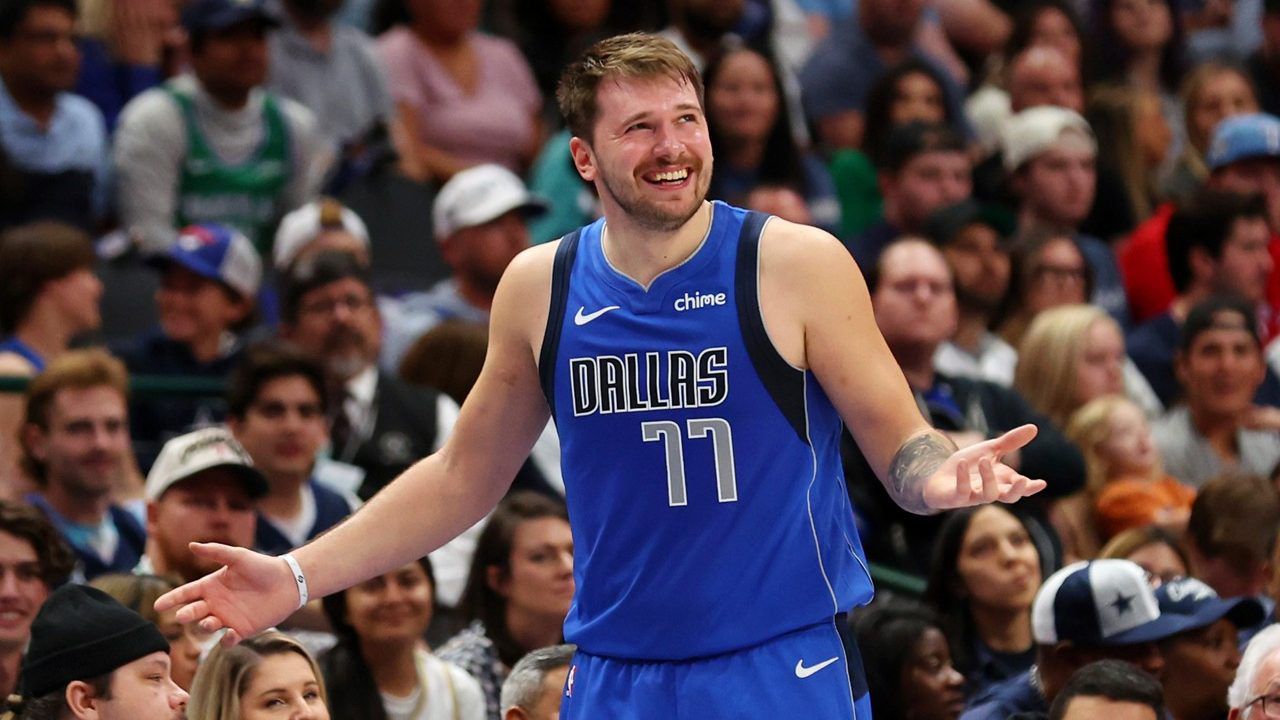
x,y
82,633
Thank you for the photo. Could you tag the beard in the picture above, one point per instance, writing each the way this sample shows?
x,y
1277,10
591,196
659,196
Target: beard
x,y
650,215
346,352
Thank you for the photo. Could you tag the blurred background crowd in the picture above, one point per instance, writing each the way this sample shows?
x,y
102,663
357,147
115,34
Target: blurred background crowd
x,y
248,250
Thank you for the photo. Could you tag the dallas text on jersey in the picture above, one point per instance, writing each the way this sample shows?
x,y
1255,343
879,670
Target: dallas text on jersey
x,y
655,381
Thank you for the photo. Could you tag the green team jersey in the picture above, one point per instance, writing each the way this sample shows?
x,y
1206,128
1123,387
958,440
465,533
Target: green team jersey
x,y
244,196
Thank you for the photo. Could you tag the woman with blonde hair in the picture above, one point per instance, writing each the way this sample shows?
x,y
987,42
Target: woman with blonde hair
x,y
266,676
1211,93
1071,354
1126,484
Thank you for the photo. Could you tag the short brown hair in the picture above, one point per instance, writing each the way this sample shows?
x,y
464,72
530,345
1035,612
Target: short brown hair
x,y
32,255
1235,517
635,55
78,369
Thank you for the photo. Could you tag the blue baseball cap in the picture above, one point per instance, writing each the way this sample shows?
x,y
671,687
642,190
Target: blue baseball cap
x,y
1196,605
213,15
218,252
1099,603
1243,137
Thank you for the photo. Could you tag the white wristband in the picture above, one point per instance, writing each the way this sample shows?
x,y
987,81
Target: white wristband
x,y
299,578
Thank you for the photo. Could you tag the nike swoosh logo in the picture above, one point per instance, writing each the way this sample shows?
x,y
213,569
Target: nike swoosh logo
x,y
803,672
583,319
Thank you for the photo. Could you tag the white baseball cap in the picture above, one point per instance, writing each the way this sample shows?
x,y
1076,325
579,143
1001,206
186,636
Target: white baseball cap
x,y
1099,603
303,225
478,195
205,449
1035,130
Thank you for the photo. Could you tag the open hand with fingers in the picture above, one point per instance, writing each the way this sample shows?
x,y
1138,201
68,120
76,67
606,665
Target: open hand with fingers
x,y
249,594
976,475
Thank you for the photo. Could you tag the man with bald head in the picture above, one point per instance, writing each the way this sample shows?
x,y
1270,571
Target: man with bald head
x,y
1042,75
913,298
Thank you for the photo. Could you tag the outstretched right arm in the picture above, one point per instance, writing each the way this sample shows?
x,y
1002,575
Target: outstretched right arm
x,y
430,503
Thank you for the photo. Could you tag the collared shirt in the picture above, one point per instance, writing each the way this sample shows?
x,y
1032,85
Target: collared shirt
x,y
358,404
344,84
75,139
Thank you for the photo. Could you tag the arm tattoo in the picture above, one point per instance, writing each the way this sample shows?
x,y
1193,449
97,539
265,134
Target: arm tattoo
x,y
913,464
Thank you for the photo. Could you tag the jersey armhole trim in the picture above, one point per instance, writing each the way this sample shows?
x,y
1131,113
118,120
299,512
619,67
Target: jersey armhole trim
x,y
784,382
563,266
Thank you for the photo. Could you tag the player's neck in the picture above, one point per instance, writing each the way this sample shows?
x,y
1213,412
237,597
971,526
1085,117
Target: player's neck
x,y
642,254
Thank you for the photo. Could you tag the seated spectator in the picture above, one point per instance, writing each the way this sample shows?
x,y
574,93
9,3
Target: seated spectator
x,y
1243,158
532,691
277,401
985,573
521,580
91,658
201,489
139,593
1127,485
1217,244
1046,71
1200,662
1210,94
1046,270
1133,142
972,241
1156,550
1085,612
478,221
1050,154
319,226
914,305
35,561
208,291
845,65
1231,535
1111,689
75,442
379,425
380,667
913,90
1216,430
1072,354
908,664
463,97
213,145
1141,45
48,296
126,48
751,135
331,69
1253,691
269,671
924,167
53,144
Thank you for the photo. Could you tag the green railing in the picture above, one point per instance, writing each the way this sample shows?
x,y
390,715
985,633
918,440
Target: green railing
x,y
189,386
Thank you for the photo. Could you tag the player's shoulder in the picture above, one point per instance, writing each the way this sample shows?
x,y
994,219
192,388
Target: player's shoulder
x,y
790,246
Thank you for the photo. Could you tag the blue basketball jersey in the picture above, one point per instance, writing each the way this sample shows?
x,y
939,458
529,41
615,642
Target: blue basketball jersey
x,y
702,471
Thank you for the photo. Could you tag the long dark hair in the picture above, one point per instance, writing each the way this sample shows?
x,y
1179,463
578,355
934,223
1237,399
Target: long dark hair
x,y
880,98
943,591
782,163
1024,23
1115,56
493,550
352,690
888,634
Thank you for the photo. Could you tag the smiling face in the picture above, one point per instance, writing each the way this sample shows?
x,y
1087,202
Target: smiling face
x,y
649,153
22,591
742,98
391,607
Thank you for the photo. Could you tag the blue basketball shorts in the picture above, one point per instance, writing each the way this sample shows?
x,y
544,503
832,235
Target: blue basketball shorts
x,y
814,673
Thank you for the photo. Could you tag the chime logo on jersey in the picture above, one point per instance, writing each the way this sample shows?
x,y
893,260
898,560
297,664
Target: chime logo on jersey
x,y
652,381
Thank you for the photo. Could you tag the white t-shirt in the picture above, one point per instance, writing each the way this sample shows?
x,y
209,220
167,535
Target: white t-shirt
x,y
450,693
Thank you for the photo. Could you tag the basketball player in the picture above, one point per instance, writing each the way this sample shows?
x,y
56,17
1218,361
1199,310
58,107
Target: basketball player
x,y
697,360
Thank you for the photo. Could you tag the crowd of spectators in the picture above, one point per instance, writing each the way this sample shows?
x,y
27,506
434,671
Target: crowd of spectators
x,y
248,250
